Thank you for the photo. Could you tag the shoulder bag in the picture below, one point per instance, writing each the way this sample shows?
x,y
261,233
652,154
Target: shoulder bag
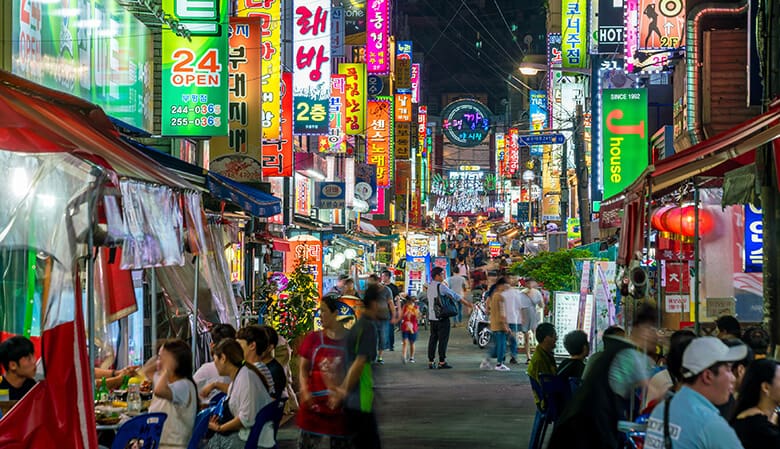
x,y
445,305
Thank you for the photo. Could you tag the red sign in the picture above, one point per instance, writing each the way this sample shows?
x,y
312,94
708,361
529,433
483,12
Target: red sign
x,y
677,277
422,127
278,157
512,151
378,140
308,249
335,141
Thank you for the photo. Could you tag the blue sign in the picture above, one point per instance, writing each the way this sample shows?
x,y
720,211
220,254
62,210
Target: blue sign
x,y
541,139
330,195
375,85
754,240
538,112
404,50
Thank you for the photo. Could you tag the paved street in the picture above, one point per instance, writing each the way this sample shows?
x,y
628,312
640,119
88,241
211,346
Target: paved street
x,y
461,407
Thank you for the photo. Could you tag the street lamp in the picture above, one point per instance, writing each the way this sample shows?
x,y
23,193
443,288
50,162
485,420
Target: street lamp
x,y
528,177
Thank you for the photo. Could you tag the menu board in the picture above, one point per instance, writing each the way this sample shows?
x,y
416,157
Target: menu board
x,y
565,314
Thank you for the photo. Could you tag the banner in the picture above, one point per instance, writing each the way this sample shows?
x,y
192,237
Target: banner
x,y
512,151
355,16
753,258
377,51
611,26
355,111
403,108
501,154
415,81
311,72
574,26
270,14
624,134
238,156
403,75
195,70
538,114
378,140
551,186
365,183
335,141
329,195
278,158
337,32
422,127
661,24
308,249
403,140
418,262
108,63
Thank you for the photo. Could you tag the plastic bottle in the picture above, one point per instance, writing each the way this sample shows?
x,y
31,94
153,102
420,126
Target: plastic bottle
x,y
134,395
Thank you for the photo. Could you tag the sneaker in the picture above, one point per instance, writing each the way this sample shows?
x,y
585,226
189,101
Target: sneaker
x,y
444,365
380,360
411,360
485,364
513,361
502,367
431,365
403,360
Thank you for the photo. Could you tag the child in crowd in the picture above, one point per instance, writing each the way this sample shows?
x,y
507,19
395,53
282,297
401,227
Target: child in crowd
x,y
409,325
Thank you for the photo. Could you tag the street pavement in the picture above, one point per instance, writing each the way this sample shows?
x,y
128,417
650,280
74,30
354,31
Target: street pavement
x,y
456,408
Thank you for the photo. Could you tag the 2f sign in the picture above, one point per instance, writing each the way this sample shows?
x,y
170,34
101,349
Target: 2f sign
x,y
201,17
754,239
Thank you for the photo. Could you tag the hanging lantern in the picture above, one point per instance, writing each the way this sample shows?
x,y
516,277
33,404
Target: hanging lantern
x,y
672,220
688,221
657,218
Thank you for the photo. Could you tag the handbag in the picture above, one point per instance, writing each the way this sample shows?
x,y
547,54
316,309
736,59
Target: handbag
x,y
444,306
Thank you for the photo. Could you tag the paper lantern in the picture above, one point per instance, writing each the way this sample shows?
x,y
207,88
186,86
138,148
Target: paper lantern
x,y
688,221
672,220
657,218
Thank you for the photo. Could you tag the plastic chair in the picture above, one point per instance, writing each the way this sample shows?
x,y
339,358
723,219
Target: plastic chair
x,y
556,393
270,413
147,428
201,426
574,385
540,418
217,399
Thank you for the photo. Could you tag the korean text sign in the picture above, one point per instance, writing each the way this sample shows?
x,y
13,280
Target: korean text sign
x,y
416,77
244,94
278,157
538,113
355,107
422,128
378,140
311,67
512,151
335,141
574,24
270,14
195,71
377,52
624,134
754,239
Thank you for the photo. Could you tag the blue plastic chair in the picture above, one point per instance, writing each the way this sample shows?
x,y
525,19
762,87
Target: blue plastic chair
x,y
201,427
270,413
217,399
147,427
556,392
540,418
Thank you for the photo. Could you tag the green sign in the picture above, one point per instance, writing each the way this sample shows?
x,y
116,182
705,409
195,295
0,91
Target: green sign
x,y
93,49
195,70
574,26
624,138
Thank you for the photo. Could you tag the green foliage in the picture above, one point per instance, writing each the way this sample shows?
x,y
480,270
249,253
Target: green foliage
x,y
291,312
553,270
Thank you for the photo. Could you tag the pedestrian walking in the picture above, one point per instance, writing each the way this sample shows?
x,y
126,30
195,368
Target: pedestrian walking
x,y
513,308
530,299
440,326
460,285
409,325
499,327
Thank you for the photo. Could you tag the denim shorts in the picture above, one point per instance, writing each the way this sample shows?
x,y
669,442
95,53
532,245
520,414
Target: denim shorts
x,y
411,336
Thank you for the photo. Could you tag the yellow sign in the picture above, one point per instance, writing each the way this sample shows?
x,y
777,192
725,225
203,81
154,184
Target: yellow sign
x,y
355,107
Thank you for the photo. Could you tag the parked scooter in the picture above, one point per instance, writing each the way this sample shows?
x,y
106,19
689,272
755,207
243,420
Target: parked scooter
x,y
479,324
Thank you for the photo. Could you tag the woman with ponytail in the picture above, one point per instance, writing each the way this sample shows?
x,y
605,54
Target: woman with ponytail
x,y
246,395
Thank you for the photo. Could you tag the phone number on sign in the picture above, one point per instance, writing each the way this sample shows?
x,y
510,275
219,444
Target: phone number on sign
x,y
199,109
199,121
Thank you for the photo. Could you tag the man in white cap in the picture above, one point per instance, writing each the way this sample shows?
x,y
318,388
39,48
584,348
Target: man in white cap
x,y
689,419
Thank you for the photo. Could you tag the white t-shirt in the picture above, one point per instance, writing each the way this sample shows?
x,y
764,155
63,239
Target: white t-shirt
x,y
206,374
263,368
512,305
181,410
457,283
530,297
246,396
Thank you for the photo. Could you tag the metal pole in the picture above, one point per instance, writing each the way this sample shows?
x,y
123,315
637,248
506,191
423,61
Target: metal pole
x,y
153,311
195,312
91,296
697,280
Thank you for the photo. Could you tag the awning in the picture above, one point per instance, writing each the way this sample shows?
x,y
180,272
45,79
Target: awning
x,y
719,154
191,172
255,202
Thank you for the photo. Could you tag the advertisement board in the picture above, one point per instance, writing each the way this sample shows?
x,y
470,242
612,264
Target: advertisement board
x,y
512,151
611,27
415,81
378,140
537,110
365,183
195,70
355,111
422,127
354,16
574,26
329,195
418,262
624,138
270,14
403,108
403,140
278,157
109,62
377,51
238,155
308,249
465,123
337,32
754,240
661,24
335,141
311,67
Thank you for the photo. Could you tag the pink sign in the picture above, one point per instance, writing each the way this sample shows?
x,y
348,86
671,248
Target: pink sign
x,y
632,32
377,53
415,83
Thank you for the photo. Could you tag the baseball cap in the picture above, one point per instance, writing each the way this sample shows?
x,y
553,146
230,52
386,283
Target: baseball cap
x,y
703,352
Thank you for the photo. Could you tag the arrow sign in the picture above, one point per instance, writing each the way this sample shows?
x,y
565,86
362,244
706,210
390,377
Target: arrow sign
x,y
541,139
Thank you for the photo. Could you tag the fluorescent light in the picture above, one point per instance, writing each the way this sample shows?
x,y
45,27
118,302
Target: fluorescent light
x,y
529,71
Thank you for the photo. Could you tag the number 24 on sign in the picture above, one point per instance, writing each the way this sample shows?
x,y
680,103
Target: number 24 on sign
x,y
188,72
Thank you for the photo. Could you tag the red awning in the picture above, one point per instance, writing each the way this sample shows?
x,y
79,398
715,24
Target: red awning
x,y
281,245
67,123
719,154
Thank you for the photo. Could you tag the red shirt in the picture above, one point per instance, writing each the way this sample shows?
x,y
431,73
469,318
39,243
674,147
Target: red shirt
x,y
409,318
326,368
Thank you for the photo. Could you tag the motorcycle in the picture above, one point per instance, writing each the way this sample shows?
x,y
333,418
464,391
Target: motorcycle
x,y
422,305
479,325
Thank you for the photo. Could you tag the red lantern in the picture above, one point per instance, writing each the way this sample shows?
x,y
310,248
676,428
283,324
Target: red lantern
x,y
672,220
688,221
657,218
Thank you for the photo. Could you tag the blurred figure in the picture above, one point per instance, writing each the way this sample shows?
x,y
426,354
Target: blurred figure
x,y
757,339
738,369
671,377
606,394
576,344
530,299
611,331
409,325
692,412
728,327
349,288
755,419
499,327
254,341
339,286
207,373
